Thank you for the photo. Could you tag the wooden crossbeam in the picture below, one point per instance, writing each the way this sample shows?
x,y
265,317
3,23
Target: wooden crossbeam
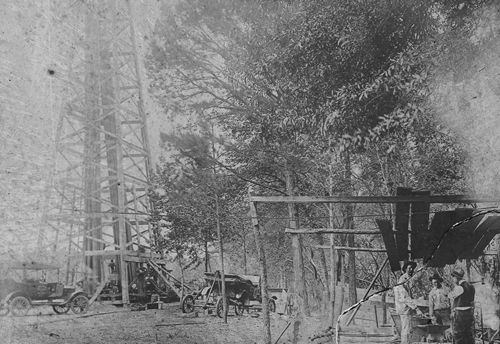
x,y
330,231
374,199
127,253
360,249
348,248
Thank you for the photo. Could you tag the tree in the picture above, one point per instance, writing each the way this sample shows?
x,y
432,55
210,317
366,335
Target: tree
x,y
314,90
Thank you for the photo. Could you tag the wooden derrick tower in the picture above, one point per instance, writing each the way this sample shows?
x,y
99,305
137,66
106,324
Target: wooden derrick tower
x,y
98,204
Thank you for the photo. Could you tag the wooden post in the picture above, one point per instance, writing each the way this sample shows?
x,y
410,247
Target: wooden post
x,y
333,282
326,297
221,254
348,223
298,259
333,252
136,220
225,303
384,295
70,238
263,272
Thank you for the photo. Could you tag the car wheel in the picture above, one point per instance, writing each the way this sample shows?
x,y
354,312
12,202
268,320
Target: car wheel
x,y
4,310
219,307
238,309
188,304
19,306
272,305
61,309
79,304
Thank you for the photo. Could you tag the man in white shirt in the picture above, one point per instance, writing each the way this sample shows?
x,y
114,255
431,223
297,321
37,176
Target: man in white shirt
x,y
439,303
405,304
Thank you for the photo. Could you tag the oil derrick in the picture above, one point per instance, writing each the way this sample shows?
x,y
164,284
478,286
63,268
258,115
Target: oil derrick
x,y
98,205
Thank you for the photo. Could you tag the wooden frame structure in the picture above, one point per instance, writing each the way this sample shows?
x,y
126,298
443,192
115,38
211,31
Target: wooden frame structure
x,y
418,198
98,201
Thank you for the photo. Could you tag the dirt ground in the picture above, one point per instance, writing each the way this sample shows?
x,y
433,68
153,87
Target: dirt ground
x,y
109,325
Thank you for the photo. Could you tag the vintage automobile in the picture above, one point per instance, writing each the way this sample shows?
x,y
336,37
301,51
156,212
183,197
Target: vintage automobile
x,y
242,292
24,287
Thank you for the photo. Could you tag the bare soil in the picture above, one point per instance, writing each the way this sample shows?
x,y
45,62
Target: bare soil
x,y
110,325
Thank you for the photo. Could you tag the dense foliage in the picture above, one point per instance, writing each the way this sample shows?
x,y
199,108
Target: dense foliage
x,y
333,93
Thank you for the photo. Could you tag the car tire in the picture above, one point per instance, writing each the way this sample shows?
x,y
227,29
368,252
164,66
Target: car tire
x,y
272,306
238,309
4,310
19,306
219,307
187,304
61,309
79,304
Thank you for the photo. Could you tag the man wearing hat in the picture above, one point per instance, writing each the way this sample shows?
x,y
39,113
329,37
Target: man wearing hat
x,y
439,304
405,304
463,309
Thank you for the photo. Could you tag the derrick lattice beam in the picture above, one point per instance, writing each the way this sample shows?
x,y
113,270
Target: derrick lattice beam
x,y
99,202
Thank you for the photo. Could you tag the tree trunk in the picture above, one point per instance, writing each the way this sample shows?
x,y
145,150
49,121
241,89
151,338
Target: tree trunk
x,y
263,272
207,258
324,269
179,260
219,233
221,255
298,259
334,256
349,223
245,254
334,263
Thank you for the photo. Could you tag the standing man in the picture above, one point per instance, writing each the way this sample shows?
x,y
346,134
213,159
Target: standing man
x,y
439,304
463,309
405,304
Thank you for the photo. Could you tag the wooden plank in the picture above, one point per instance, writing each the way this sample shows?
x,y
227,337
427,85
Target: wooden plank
x,y
457,199
489,228
471,227
460,237
401,225
419,226
440,224
330,231
129,254
128,258
456,241
364,335
389,242
96,293
347,338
